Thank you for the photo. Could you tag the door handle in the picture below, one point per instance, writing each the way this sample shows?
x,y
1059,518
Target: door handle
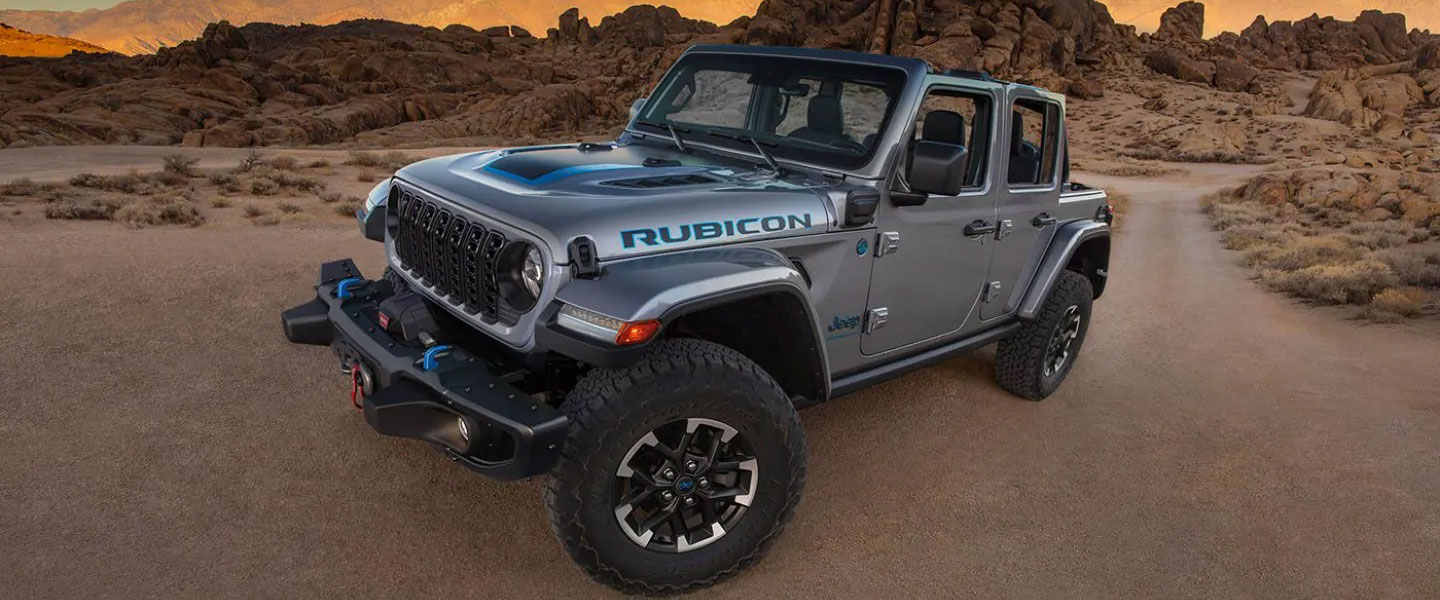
x,y
978,228
1043,220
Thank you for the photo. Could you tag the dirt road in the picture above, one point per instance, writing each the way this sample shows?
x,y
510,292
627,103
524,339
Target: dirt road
x,y
160,439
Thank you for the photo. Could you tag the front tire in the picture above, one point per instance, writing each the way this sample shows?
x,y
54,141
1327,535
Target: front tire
x,y
1033,362
677,472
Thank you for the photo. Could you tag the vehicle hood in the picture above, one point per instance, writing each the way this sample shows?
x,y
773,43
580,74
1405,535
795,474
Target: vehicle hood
x,y
631,199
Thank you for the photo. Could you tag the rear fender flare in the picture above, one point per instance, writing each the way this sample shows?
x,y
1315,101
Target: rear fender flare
x,y
1070,238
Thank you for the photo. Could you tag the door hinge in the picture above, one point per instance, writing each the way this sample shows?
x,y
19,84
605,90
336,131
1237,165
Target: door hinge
x,y
1006,227
992,291
876,318
889,243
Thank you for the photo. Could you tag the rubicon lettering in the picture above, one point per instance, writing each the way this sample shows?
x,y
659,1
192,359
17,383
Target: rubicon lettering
x,y
709,230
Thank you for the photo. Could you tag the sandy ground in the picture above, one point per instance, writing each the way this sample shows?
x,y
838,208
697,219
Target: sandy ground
x,y
161,439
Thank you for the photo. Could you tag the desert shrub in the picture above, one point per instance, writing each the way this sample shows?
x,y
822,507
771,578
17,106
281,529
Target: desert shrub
x,y
1330,249
1386,234
363,159
318,163
330,197
1226,215
288,208
297,182
285,162
266,221
179,164
220,178
130,183
393,159
170,179
23,186
350,206
253,211
365,177
1414,266
252,159
263,187
1401,302
220,202
1351,283
85,209
169,211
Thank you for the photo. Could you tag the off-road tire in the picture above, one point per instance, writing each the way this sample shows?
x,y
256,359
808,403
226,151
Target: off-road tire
x,y
611,409
1021,359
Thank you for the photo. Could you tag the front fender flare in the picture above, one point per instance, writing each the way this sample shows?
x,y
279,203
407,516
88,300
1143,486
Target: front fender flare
x,y
669,286
1067,240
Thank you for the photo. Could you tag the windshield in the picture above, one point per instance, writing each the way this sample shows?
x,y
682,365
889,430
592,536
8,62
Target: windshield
x,y
821,112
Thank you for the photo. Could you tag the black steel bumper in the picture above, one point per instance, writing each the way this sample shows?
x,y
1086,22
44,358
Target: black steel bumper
x,y
511,436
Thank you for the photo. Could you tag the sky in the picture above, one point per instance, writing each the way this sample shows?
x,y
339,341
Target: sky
x,y
57,4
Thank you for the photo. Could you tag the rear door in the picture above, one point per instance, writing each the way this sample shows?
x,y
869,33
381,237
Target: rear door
x,y
1029,197
927,273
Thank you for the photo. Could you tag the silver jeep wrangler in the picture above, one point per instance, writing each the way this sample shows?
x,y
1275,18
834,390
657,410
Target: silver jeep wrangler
x,y
639,320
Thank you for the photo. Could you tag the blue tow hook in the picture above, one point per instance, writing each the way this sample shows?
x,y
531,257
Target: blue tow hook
x,y
429,361
342,289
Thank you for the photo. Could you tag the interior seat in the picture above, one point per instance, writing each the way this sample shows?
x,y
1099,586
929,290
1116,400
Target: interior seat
x,y
824,121
1024,157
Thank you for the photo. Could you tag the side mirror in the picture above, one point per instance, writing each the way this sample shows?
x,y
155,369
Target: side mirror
x,y
937,168
635,107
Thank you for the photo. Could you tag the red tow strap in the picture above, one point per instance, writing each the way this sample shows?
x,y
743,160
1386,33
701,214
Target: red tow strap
x,y
355,394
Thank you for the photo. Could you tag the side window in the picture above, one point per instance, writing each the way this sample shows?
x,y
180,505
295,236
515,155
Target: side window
x,y
714,98
960,118
1034,142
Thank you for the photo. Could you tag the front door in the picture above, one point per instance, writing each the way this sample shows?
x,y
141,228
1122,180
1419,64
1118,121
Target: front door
x,y
928,275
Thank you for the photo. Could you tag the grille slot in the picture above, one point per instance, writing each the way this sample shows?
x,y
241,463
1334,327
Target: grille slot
x,y
452,256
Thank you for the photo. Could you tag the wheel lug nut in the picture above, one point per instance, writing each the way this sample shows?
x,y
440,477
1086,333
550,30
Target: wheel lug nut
x,y
669,473
691,465
689,501
667,496
704,483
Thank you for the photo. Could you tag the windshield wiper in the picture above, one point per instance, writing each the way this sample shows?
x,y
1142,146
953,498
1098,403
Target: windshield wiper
x,y
674,132
759,146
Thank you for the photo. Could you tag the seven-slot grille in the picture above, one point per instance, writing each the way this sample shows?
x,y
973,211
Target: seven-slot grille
x,y
453,256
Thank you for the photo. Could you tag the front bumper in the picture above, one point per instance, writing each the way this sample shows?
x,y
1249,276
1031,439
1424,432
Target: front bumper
x,y
510,435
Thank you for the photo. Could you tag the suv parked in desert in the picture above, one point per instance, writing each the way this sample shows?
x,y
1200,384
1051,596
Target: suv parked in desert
x,y
639,320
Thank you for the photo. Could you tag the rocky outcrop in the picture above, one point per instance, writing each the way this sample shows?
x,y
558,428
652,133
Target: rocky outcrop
x,y
1184,22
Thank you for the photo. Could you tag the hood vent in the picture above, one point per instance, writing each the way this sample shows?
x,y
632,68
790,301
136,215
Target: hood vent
x,y
650,183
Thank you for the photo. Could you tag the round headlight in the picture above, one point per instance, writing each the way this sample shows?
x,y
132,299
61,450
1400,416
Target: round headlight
x,y
532,271
521,275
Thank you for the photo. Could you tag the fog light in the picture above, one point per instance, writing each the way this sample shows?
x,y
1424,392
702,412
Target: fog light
x,y
607,329
464,429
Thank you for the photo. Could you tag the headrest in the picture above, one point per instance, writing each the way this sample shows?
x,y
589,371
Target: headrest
x,y
825,116
944,126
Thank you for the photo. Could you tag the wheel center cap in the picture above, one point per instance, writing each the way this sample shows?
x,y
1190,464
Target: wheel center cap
x,y
684,485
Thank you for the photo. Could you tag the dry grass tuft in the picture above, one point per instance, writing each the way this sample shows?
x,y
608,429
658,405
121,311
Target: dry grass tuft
x,y
1352,283
288,208
1393,304
252,211
350,206
285,163
179,164
391,160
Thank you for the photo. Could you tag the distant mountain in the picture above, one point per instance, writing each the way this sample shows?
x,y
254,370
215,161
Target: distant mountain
x,y
142,26
1235,15
18,42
